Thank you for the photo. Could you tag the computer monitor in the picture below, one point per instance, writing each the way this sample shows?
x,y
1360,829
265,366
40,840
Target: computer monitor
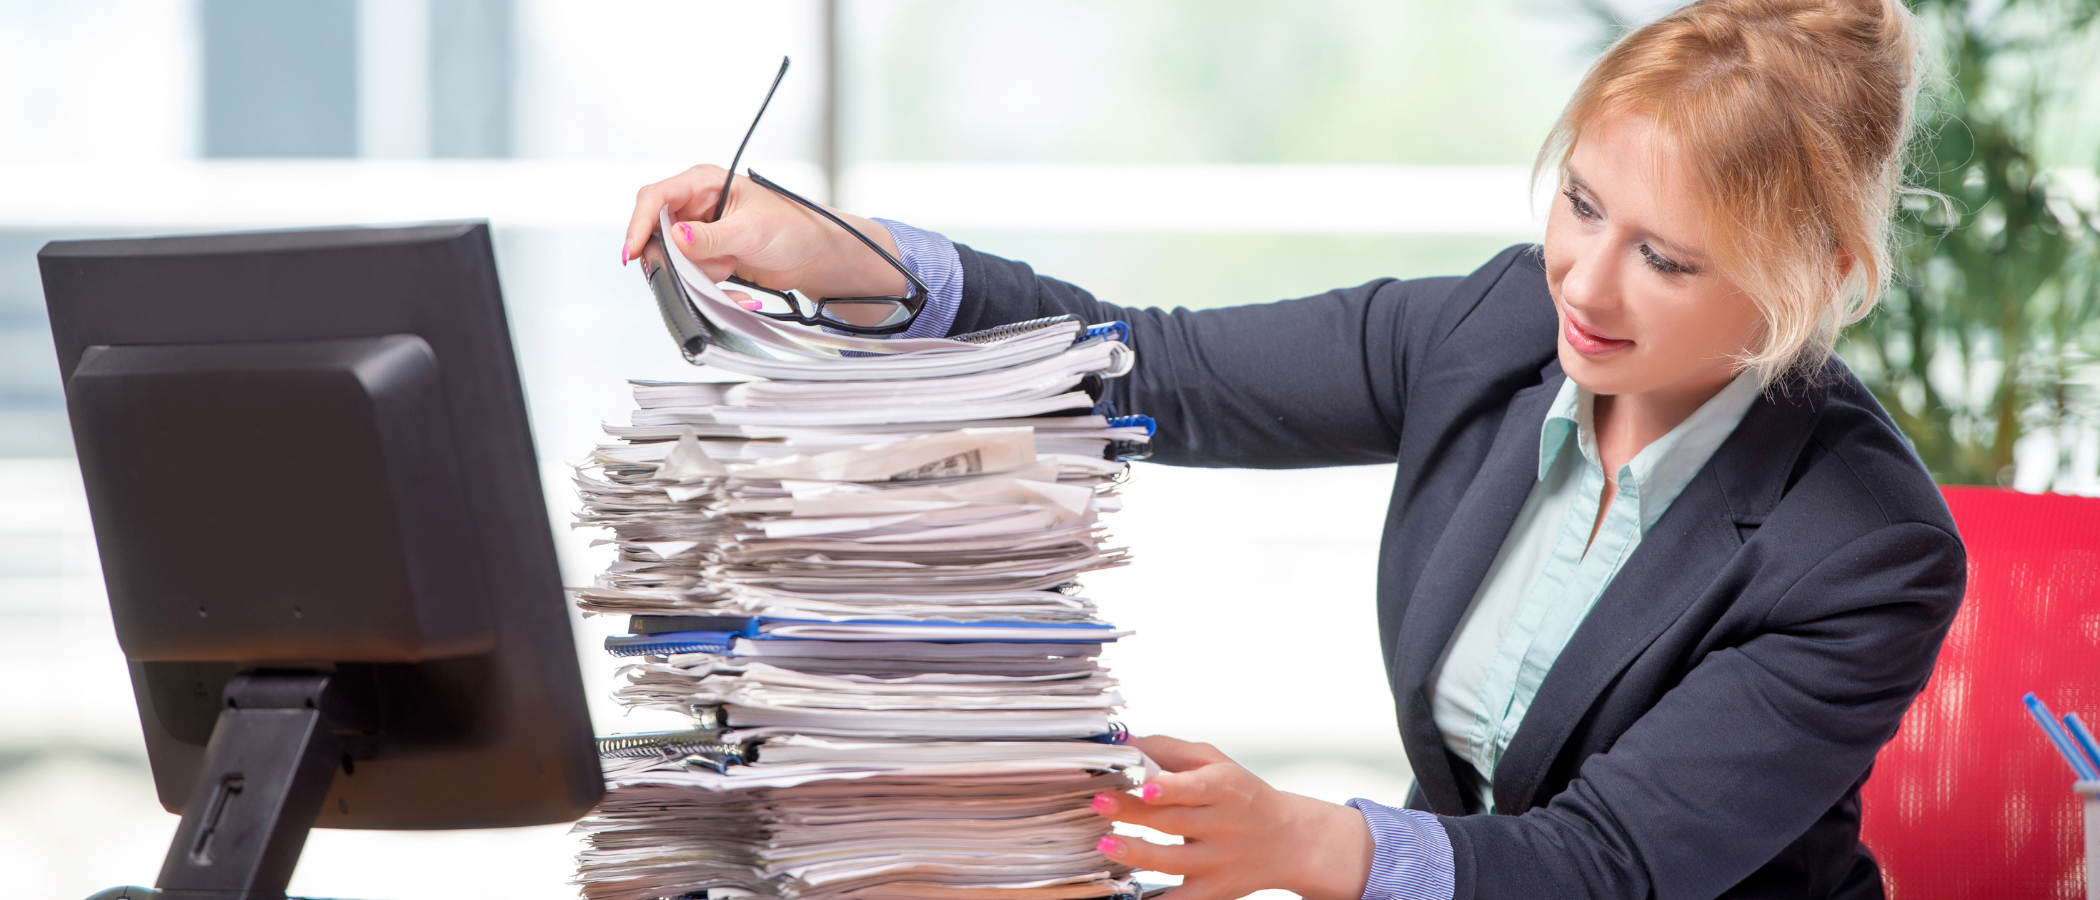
x,y
319,515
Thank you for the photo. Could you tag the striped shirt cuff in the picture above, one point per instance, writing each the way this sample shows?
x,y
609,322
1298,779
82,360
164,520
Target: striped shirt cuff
x,y
933,258
1412,859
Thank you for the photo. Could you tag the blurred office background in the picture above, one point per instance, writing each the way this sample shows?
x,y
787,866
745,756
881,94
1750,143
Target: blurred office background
x,y
1179,152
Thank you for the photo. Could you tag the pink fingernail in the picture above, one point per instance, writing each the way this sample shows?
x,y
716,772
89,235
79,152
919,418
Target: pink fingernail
x,y
1110,846
751,305
686,230
1150,792
1102,804
623,254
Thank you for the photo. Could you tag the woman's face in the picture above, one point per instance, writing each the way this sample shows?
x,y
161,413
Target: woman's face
x,y
1642,310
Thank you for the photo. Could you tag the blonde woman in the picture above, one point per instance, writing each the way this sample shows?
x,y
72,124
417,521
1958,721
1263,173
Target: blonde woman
x,y
1659,576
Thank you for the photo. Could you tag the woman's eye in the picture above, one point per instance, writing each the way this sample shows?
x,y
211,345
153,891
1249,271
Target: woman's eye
x,y
1657,262
1579,206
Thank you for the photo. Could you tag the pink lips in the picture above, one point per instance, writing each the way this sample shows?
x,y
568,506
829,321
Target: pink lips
x,y
1590,343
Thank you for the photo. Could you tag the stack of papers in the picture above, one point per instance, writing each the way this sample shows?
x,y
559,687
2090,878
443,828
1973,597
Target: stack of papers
x,y
987,831
857,573
970,524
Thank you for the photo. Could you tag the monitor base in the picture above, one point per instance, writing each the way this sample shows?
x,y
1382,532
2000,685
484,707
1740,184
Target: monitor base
x,y
268,767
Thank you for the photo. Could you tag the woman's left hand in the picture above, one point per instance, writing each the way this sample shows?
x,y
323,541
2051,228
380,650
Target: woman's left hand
x,y
1239,834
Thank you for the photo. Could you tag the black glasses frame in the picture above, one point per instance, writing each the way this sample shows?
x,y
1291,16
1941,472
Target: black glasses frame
x,y
911,303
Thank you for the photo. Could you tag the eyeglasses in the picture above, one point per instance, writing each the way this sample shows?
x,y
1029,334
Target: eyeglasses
x,y
856,315
853,315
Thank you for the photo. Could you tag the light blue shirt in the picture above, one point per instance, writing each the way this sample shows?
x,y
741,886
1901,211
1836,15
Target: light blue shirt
x,y
1540,587
1550,570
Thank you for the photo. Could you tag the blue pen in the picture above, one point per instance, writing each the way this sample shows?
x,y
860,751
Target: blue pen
x,y
2076,727
2055,730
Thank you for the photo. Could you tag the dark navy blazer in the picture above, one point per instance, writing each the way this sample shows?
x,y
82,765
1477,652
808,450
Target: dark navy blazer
x,y
1706,730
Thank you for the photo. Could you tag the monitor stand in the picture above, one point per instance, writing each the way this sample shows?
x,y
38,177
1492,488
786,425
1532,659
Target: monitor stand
x,y
272,756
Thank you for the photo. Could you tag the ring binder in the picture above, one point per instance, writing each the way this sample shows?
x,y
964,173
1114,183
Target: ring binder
x,y
1151,427
1115,331
1117,733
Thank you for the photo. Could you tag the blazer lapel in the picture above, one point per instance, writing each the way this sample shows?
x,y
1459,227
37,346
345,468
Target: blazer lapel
x,y
1676,560
1451,575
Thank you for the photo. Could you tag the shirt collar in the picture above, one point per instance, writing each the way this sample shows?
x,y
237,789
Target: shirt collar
x,y
1657,474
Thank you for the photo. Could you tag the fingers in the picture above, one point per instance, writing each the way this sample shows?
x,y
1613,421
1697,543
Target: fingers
x,y
1207,786
1239,834
1197,861
714,248
700,240
684,193
1176,755
1173,859
1185,804
647,203
1181,820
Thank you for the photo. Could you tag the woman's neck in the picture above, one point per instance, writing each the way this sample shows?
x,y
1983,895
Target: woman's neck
x,y
1625,424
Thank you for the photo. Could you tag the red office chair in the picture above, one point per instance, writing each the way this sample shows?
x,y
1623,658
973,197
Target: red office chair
x,y
1970,800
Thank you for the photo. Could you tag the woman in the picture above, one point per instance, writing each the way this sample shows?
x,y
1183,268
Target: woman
x,y
1659,576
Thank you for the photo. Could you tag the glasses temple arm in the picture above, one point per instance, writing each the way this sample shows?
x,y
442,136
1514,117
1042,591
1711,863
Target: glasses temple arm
x,y
919,289
722,202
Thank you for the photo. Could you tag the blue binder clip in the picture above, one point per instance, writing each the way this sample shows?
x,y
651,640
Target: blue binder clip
x,y
1114,331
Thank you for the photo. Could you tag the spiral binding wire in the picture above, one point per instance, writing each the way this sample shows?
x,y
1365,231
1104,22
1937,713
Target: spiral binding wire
x,y
624,645
995,335
670,744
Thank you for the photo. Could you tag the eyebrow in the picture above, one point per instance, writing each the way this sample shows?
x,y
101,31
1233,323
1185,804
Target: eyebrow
x,y
1685,257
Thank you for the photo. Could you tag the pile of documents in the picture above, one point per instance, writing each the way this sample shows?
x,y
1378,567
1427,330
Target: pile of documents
x,y
856,572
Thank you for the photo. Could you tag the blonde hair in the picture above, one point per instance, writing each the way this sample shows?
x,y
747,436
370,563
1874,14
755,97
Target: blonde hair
x,y
1792,116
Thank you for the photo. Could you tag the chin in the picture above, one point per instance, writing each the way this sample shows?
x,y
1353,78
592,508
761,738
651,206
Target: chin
x,y
1598,376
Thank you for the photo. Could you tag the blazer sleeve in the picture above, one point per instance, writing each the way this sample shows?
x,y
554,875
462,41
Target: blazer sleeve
x,y
1757,743
1317,381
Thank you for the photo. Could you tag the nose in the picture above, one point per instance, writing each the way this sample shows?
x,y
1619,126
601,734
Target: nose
x,y
1591,281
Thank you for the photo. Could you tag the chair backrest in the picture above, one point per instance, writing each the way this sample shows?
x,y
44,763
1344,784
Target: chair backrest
x,y
1970,800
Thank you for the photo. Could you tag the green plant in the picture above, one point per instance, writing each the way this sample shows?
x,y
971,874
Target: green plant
x,y
1990,330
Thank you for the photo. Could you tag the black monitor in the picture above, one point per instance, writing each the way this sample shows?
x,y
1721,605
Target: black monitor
x,y
319,514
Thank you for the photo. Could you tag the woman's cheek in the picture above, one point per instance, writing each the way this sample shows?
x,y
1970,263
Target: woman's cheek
x,y
1711,331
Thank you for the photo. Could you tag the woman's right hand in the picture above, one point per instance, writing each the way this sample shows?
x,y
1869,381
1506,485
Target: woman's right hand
x,y
763,237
